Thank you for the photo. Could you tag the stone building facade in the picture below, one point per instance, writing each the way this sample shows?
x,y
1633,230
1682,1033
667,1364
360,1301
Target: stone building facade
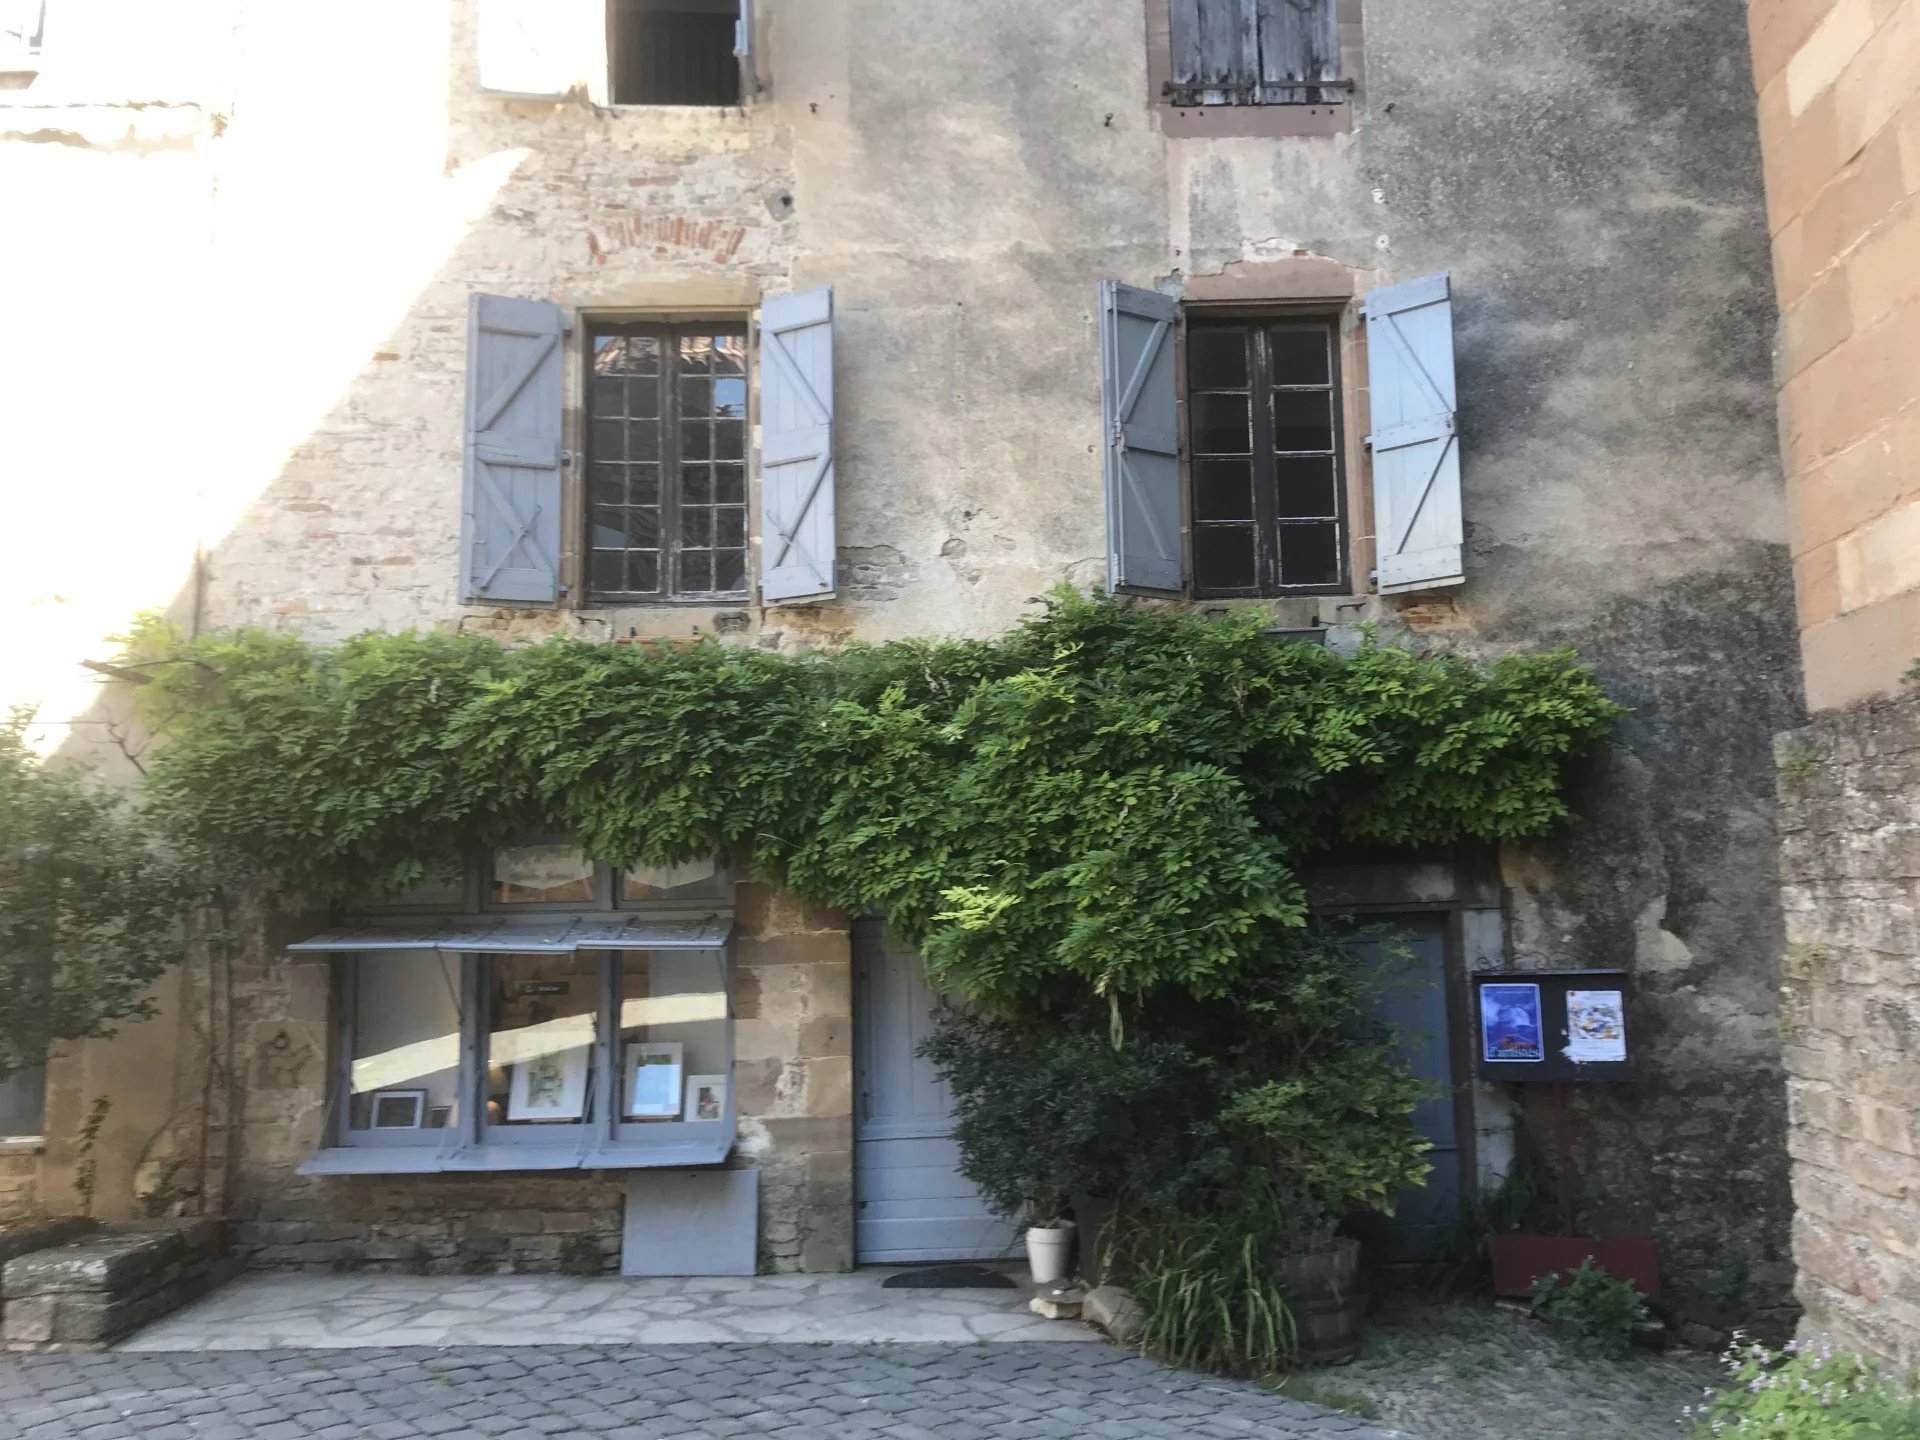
x,y
965,178
1839,109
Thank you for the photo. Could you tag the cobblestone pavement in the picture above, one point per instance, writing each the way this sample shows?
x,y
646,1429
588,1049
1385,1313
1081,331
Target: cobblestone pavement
x,y
1464,1370
795,1392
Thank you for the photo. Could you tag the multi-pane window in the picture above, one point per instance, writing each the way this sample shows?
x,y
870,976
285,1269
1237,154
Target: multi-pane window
x,y
1263,443
666,462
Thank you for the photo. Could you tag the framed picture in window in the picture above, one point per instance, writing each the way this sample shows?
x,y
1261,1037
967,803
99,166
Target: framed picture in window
x,y
706,1098
399,1109
653,1080
552,1086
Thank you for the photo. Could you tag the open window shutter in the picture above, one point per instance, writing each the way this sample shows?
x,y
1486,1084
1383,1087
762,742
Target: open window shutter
x,y
1140,413
797,553
1416,452
1215,51
743,51
510,522
526,47
1299,43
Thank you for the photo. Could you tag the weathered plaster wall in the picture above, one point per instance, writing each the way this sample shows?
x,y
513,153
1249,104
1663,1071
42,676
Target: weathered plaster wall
x,y
1839,85
1850,872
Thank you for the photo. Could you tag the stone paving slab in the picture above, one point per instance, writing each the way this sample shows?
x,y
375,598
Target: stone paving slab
x,y
679,1392
264,1311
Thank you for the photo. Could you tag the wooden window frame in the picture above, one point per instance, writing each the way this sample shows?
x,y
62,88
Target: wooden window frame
x,y
665,324
1263,121
1266,517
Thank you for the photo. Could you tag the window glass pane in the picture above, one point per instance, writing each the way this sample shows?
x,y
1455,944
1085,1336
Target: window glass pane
x,y
1221,425
730,484
22,1101
729,439
696,354
1223,489
540,1020
606,485
1223,557
673,1035
607,395
729,571
1299,356
643,571
730,398
1217,359
643,528
536,874
643,399
696,396
695,880
1304,485
1309,555
696,526
696,440
729,354
608,439
696,485
730,527
643,484
405,1066
607,572
1302,420
696,571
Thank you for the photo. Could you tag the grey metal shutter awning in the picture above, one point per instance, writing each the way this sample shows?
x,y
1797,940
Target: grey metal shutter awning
x,y
526,935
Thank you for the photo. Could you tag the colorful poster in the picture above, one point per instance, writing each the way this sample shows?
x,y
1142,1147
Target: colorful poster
x,y
1596,1026
1510,1028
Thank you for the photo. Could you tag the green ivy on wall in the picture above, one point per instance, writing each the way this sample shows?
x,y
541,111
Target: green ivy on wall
x,y
1115,793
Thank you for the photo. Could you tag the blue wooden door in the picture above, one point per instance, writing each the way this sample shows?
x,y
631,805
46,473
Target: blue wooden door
x,y
1412,997
911,1201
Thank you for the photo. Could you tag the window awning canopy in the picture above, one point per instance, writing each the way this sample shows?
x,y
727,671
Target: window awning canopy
x,y
526,935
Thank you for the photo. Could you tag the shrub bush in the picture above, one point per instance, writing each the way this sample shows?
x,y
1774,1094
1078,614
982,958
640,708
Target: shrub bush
x,y
1802,1393
1591,1311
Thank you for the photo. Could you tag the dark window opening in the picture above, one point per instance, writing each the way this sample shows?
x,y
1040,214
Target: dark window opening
x,y
1267,505
674,52
666,462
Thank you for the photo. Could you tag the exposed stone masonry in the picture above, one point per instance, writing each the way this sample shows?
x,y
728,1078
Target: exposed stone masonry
x,y
1850,871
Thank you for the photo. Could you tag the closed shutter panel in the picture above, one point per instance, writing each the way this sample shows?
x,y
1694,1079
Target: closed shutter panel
x,y
1299,42
797,554
510,525
1416,452
528,47
1215,51
1140,415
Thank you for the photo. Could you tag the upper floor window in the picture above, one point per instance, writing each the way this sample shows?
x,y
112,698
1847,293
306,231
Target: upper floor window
x,y
666,462
1254,52
22,26
676,52
1268,503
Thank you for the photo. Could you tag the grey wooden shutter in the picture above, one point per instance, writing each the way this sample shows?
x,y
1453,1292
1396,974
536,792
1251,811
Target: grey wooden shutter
x,y
1416,452
1140,416
797,554
527,47
743,51
1299,42
510,522
1215,51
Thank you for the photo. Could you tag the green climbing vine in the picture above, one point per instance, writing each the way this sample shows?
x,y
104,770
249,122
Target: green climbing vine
x,y
1111,793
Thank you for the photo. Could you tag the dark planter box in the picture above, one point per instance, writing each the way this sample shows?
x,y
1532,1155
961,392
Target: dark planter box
x,y
1519,1260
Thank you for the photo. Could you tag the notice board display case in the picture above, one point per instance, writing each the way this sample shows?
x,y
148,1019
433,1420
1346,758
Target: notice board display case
x,y
1534,1025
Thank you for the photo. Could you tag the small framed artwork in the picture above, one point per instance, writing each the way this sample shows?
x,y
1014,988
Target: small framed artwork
x,y
706,1098
438,1115
1511,1030
653,1080
399,1109
550,1087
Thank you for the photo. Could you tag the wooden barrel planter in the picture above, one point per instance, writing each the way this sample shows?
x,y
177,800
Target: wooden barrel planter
x,y
1325,1295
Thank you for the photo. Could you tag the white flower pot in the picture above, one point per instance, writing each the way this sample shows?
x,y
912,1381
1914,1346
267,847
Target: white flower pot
x,y
1050,1251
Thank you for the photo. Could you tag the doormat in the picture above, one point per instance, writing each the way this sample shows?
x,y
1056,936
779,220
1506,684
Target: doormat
x,y
949,1277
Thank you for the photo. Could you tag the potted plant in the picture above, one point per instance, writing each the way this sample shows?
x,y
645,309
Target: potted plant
x,y
1050,1237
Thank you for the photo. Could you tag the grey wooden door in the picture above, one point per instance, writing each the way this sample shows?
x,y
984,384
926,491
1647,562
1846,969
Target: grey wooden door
x,y
911,1201
1413,999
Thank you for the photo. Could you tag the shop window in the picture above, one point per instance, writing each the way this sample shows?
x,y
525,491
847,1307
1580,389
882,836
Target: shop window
x,y
571,1057
703,882
675,52
403,1046
541,1016
666,462
1267,497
